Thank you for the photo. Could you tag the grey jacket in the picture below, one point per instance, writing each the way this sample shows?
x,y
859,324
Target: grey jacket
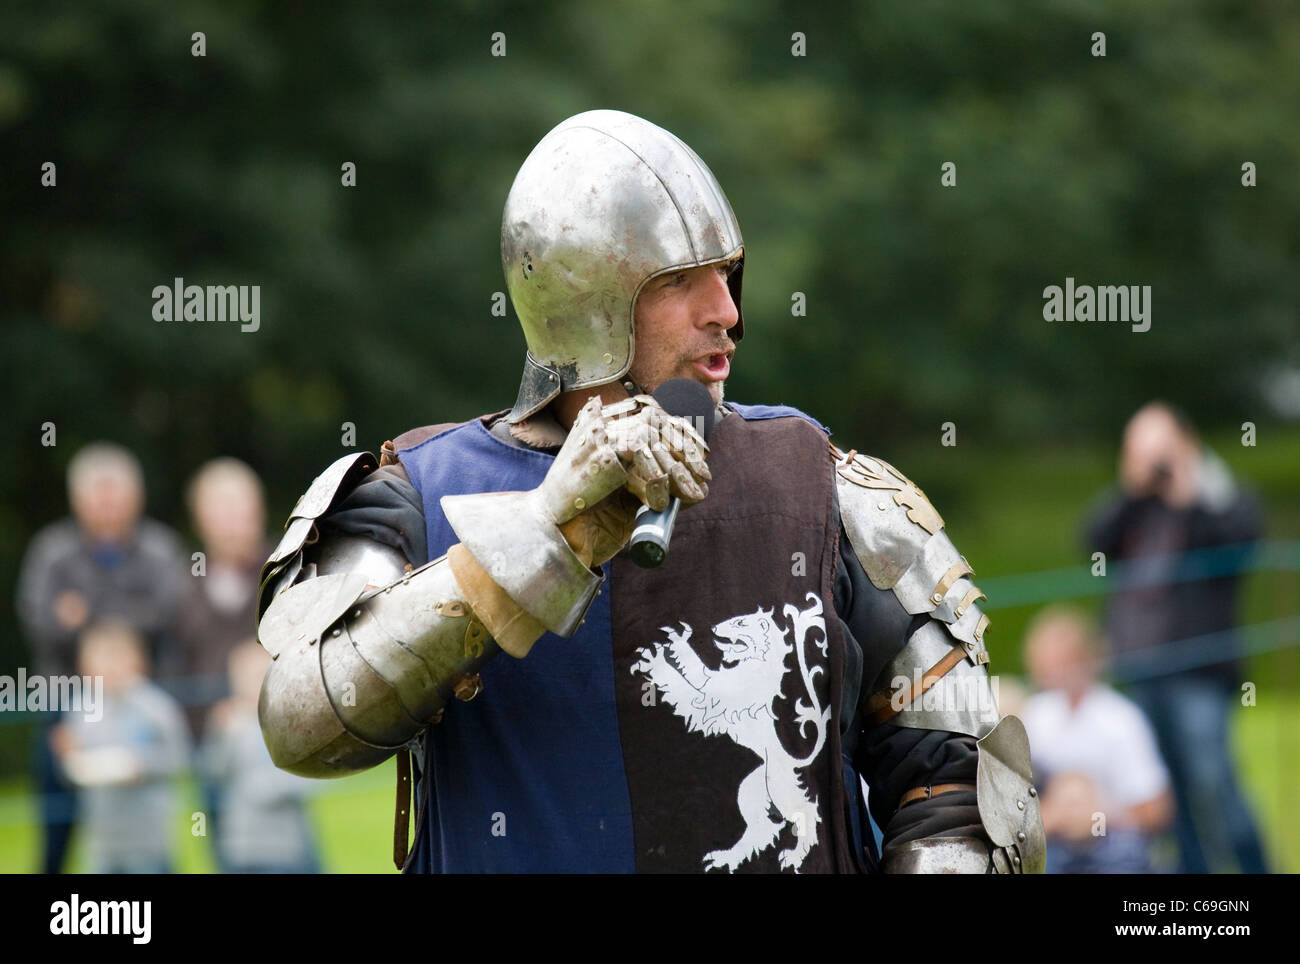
x,y
139,583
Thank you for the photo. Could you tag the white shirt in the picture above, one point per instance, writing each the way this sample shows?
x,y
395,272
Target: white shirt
x,y
1106,737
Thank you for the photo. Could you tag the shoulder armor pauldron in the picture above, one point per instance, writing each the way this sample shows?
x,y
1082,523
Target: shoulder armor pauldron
x,y
281,569
897,535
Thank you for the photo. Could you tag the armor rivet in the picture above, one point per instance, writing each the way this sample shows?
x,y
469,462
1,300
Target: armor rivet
x,y
1033,792
1021,836
607,358
937,597
1015,860
1020,804
579,503
335,633
883,506
467,688
356,614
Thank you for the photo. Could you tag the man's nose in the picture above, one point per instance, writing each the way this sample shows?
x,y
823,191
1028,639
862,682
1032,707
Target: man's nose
x,y
717,306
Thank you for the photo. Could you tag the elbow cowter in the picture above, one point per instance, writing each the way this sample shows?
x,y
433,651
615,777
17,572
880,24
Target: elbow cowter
x,y
359,672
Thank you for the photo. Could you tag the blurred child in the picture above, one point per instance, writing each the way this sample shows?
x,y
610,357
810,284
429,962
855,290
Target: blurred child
x,y
1105,788
263,826
107,559
124,762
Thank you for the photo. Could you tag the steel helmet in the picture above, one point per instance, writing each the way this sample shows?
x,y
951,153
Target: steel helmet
x,y
605,202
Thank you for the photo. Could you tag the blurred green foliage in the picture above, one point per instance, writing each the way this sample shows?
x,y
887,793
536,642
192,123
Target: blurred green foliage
x,y
924,302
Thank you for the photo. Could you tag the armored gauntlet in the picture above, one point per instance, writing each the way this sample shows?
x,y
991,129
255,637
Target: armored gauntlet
x,y
367,651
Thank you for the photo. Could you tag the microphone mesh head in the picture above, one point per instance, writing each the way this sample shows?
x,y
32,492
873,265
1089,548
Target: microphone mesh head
x,y
688,398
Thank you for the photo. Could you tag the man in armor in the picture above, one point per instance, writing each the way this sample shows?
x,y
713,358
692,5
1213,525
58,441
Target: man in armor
x,y
812,623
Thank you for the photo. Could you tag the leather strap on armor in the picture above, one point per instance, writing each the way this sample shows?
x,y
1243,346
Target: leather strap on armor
x,y
884,708
514,629
931,790
402,816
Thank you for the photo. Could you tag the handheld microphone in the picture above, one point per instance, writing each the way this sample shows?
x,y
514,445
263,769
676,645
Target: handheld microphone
x,y
689,399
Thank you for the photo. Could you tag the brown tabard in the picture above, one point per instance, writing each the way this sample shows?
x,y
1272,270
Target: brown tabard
x,y
729,664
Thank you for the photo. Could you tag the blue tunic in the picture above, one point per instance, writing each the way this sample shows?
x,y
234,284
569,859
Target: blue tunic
x,y
529,777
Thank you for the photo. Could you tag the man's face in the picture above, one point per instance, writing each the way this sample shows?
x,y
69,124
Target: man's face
x,y
230,519
1158,457
1057,658
107,505
682,320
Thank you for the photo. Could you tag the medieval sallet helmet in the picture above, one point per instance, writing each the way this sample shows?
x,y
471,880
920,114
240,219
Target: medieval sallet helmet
x,y
605,202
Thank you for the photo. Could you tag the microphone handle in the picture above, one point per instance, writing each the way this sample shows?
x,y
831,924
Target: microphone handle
x,y
649,543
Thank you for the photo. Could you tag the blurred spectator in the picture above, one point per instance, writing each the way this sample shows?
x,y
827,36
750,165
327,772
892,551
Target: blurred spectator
x,y
1105,789
104,561
1177,497
219,602
264,826
1012,694
124,762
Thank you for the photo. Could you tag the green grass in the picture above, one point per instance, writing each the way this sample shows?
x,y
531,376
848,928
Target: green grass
x,y
1266,739
354,823
353,817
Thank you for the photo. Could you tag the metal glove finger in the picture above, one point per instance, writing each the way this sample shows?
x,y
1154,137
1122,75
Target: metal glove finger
x,y
646,480
682,482
686,444
685,486
633,440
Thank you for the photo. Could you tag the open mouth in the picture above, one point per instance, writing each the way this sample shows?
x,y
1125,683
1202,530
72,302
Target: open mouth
x,y
716,367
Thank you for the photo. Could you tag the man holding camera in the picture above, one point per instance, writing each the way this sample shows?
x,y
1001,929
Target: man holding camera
x,y
1183,528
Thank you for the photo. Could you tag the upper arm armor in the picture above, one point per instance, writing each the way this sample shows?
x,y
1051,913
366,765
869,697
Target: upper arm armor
x,y
898,537
938,680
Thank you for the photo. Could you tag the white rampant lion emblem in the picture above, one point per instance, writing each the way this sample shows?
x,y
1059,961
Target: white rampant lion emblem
x,y
736,700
